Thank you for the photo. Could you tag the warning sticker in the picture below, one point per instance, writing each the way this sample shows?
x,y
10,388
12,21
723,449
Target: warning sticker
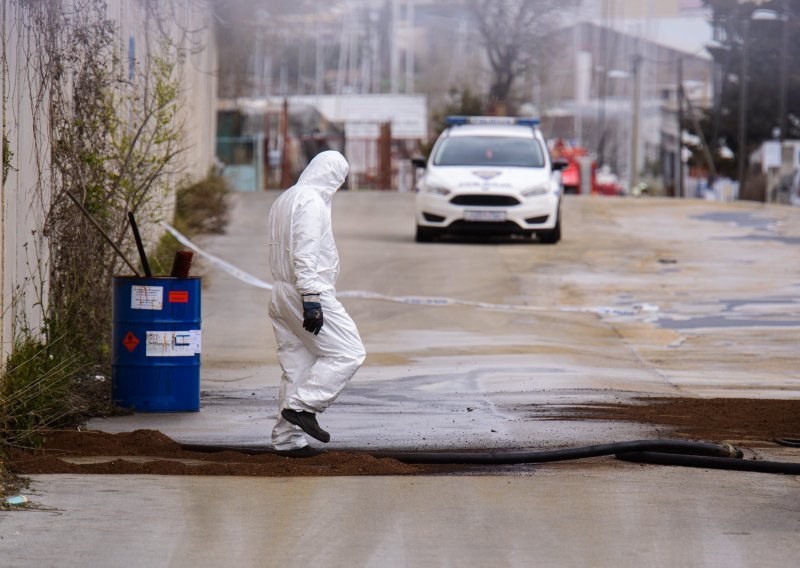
x,y
130,341
178,297
147,297
173,343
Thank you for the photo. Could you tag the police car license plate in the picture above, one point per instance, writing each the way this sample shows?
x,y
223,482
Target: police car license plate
x,y
490,216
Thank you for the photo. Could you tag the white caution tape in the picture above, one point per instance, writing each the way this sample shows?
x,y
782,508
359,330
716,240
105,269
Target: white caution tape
x,y
238,273
434,301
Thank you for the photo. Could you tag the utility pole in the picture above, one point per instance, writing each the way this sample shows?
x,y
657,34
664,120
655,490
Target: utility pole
x,y
604,31
285,165
374,35
743,102
394,52
343,51
579,85
353,43
679,182
319,61
784,72
637,100
409,63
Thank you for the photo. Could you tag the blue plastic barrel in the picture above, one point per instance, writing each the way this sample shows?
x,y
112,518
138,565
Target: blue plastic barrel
x,y
156,344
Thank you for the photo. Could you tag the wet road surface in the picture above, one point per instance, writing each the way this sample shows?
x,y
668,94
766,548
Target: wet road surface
x,y
676,298
561,515
642,297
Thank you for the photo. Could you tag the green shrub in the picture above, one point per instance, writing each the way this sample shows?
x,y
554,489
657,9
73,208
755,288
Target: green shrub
x,y
37,391
201,208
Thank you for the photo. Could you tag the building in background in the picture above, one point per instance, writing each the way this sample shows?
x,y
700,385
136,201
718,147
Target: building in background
x,y
266,142
353,47
582,86
591,87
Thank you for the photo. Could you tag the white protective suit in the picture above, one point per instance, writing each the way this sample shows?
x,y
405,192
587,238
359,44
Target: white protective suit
x,y
304,260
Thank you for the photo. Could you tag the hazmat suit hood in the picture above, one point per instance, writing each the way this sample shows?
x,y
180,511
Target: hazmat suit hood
x,y
325,174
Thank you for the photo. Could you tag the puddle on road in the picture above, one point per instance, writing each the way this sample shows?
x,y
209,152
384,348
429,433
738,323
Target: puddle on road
x,y
741,313
722,322
775,301
766,228
772,238
740,219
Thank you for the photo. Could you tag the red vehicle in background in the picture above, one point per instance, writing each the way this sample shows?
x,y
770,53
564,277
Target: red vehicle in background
x,y
606,182
571,175
581,165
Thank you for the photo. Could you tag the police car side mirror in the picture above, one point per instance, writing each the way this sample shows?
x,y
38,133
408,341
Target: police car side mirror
x,y
559,165
419,162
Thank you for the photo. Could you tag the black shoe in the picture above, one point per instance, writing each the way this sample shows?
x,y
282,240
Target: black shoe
x,y
304,452
307,421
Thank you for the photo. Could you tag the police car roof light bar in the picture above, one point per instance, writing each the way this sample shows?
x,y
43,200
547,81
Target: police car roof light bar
x,y
492,120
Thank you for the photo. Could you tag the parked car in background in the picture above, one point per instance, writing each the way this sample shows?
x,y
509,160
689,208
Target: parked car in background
x,y
490,175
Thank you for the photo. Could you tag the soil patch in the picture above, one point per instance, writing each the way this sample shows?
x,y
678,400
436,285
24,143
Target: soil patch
x,y
705,418
151,452
165,457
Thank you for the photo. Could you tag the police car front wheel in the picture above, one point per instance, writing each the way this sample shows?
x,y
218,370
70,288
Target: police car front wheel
x,y
425,234
551,236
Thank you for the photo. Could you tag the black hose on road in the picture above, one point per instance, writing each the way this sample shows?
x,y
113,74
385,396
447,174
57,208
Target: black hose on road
x,y
711,462
662,452
516,457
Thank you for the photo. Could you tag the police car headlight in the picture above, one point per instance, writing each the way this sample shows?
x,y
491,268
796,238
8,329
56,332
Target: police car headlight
x,y
534,192
437,190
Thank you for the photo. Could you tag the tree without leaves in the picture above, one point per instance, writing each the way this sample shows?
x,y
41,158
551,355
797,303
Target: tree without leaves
x,y
764,48
513,33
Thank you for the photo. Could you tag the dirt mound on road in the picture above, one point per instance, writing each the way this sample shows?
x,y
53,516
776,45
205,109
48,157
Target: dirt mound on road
x,y
714,419
151,452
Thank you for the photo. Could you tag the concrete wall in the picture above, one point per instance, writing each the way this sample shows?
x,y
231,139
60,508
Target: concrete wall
x,y
22,192
190,25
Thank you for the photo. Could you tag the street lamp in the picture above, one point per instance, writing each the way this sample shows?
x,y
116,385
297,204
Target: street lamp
x,y
759,14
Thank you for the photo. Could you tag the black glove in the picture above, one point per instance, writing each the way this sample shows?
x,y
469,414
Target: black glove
x,y
312,313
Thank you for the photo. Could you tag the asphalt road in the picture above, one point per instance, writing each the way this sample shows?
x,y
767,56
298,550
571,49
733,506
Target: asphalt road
x,y
681,298
641,297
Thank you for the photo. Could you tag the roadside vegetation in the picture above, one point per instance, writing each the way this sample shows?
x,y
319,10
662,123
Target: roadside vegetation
x,y
199,208
50,381
59,369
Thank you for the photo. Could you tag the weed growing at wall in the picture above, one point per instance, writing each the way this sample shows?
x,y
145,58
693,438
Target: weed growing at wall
x,y
36,393
201,207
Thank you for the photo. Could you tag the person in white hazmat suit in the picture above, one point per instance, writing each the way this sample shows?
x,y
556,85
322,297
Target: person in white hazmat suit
x,y
319,348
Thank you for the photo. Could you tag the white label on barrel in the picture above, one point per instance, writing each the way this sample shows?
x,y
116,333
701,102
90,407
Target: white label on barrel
x,y
173,343
147,297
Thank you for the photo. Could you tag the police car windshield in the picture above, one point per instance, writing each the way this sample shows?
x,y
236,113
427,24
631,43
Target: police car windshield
x,y
489,151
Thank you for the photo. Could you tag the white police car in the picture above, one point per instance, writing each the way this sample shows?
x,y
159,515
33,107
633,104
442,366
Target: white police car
x,y
489,175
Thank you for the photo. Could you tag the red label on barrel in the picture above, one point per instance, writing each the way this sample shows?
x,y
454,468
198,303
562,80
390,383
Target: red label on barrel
x,y
178,297
130,341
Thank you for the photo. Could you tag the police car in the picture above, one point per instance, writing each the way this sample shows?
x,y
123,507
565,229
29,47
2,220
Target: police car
x,y
489,175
